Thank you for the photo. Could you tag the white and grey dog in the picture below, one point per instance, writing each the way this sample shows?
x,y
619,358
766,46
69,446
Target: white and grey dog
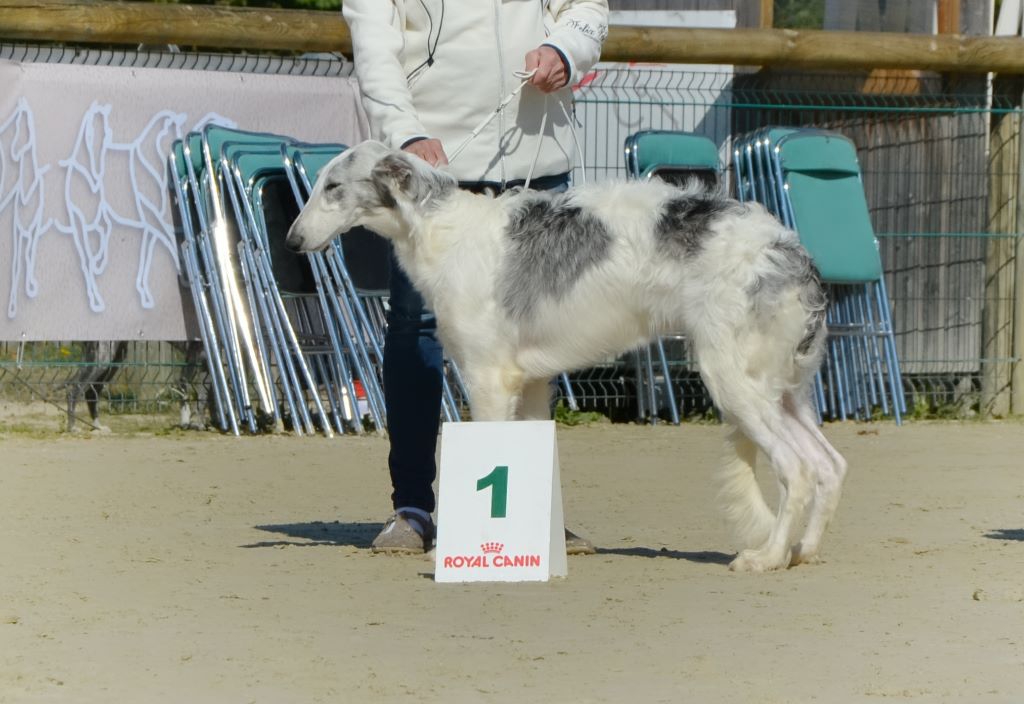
x,y
527,284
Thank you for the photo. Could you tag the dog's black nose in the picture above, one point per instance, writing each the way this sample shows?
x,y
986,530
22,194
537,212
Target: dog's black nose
x,y
293,242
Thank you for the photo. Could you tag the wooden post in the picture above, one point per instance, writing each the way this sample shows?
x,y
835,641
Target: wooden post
x,y
1017,381
767,14
949,16
997,327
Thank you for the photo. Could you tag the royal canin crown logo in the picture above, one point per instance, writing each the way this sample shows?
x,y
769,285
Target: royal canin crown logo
x,y
492,548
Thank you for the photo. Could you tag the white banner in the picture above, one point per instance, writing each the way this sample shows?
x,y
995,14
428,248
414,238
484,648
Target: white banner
x,y
87,244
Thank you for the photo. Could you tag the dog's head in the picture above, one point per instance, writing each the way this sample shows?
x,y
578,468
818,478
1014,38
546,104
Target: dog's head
x,y
368,185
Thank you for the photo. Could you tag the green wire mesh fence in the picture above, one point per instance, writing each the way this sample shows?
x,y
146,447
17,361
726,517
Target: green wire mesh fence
x,y
941,161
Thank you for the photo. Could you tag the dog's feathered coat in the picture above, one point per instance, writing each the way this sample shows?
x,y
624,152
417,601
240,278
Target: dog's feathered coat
x,y
526,285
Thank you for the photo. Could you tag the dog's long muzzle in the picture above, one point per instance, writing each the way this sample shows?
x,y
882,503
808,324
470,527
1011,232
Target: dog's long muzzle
x,y
299,241
294,241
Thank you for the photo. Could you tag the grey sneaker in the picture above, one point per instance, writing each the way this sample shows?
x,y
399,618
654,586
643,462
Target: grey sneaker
x,y
405,533
575,545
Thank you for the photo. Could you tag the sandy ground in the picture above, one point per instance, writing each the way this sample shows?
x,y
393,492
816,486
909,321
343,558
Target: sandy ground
x,y
174,567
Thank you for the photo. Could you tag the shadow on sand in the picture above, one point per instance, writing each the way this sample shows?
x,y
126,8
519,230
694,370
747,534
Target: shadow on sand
x,y
335,533
704,556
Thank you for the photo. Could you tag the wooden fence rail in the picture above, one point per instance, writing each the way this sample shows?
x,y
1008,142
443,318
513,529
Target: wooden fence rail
x,y
293,30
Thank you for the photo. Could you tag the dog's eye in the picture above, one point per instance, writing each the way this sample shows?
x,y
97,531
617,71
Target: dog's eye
x,y
331,187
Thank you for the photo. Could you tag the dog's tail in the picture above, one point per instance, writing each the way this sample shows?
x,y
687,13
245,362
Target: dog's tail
x,y
739,494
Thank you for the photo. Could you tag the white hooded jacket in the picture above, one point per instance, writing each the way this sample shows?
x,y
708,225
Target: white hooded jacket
x,y
437,68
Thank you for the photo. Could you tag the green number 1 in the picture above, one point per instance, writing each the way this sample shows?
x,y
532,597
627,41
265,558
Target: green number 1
x,y
498,481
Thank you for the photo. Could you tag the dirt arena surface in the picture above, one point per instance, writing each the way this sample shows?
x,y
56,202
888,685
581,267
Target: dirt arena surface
x,y
191,567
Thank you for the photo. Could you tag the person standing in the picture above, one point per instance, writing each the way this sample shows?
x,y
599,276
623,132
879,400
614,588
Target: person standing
x,y
429,72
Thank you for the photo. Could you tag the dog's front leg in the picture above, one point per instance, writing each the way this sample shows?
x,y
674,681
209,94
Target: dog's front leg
x,y
536,400
494,392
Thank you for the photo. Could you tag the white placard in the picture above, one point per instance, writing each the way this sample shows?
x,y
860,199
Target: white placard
x,y
499,515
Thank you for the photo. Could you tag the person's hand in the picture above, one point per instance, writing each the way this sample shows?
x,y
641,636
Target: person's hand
x,y
550,75
430,150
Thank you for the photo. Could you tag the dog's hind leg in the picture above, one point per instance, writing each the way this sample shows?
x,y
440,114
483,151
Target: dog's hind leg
x,y
828,474
748,403
738,493
794,494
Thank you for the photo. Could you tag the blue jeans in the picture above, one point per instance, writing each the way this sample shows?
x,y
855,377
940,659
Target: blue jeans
x,y
413,365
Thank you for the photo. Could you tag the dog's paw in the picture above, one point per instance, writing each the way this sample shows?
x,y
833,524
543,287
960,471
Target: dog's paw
x,y
804,557
756,561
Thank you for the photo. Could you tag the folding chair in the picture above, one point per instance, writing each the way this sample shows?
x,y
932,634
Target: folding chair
x,y
226,254
295,325
213,279
811,180
676,157
754,169
284,342
214,261
267,337
204,294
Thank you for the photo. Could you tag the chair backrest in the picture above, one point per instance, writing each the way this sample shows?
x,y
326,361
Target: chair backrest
x,y
829,209
178,160
253,160
673,156
216,136
194,142
313,158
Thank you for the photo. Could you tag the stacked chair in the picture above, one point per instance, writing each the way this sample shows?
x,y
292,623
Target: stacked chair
x,y
290,340
676,157
810,179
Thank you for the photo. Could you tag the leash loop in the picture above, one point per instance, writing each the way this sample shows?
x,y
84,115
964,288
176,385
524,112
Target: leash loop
x,y
524,77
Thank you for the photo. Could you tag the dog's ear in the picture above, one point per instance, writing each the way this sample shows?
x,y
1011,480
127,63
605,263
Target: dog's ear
x,y
399,174
393,174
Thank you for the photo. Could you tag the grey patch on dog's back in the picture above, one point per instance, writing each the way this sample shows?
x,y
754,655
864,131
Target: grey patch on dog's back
x,y
552,243
685,221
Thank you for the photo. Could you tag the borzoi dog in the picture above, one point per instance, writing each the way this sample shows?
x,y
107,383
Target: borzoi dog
x,y
528,284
